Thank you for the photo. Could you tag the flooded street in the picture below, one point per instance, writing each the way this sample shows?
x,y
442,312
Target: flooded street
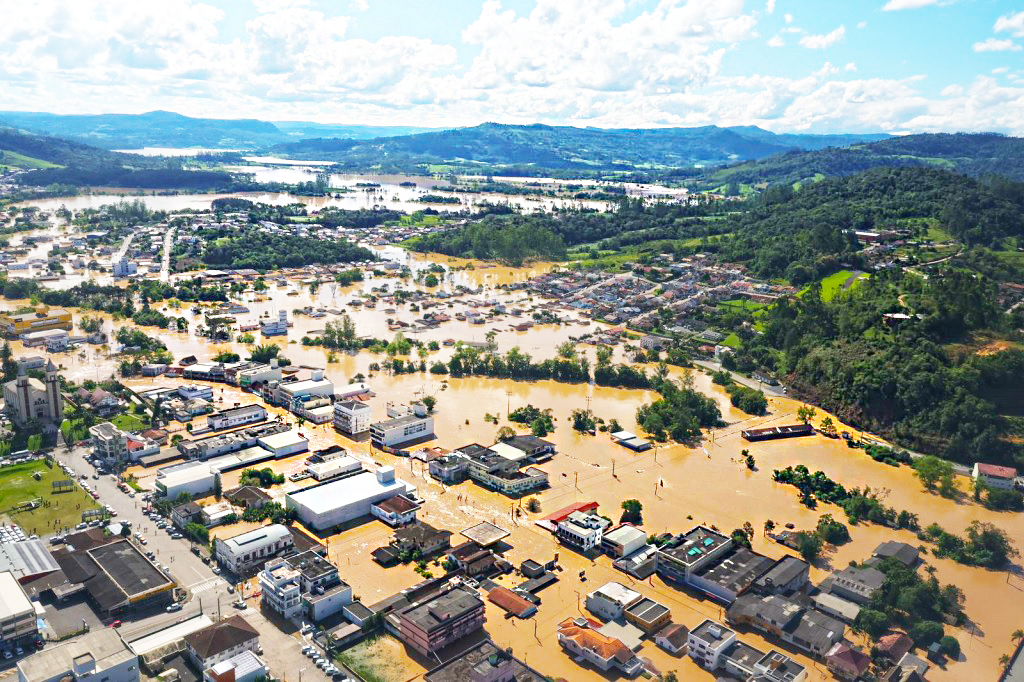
x,y
680,486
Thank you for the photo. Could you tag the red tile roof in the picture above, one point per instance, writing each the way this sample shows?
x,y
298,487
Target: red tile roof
x,y
563,514
996,471
508,600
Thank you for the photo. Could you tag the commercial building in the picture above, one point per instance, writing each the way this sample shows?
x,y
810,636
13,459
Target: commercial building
x,y
807,629
610,601
648,615
787,576
334,468
438,621
279,588
97,656
498,468
485,662
195,481
580,637
283,444
395,511
27,560
17,613
854,583
259,374
116,575
708,642
196,391
582,531
731,575
687,553
272,327
221,642
623,541
994,476
243,552
400,432
352,417
28,399
293,394
40,319
109,443
331,504
54,340
304,585
237,416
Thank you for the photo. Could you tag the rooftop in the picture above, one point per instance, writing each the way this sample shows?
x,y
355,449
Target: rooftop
x,y
485,534
221,636
624,534
323,498
436,612
125,565
399,504
783,572
780,667
617,592
102,645
737,570
647,610
694,545
269,533
26,558
484,661
511,602
711,632
13,600
311,565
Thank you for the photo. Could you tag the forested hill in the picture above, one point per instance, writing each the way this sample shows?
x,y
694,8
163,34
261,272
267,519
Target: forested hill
x,y
52,150
563,147
975,154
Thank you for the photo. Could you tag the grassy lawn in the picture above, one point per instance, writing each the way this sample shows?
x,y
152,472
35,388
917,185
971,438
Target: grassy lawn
x,y
379,659
128,422
743,303
74,430
732,341
58,510
16,160
832,285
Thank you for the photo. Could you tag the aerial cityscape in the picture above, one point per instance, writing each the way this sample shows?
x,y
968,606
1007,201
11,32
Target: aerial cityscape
x,y
511,341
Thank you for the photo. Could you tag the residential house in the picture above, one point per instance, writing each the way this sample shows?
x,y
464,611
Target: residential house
x,y
856,584
221,641
847,662
672,638
807,629
610,601
580,637
582,531
994,476
438,621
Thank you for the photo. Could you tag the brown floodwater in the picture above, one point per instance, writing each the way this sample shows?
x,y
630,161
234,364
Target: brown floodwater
x,y
679,486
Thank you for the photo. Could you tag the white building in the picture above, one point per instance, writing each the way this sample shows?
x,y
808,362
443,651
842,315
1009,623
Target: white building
x,y
623,541
343,500
707,643
195,480
193,391
17,613
581,531
278,327
283,444
109,443
260,374
610,601
280,589
238,416
242,667
97,656
242,552
400,431
27,399
333,468
994,476
221,641
294,394
352,416
124,268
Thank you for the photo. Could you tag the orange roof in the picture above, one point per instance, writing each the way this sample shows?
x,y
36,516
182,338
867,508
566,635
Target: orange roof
x,y
510,601
996,471
587,637
563,514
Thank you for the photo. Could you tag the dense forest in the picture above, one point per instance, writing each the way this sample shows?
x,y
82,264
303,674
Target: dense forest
x,y
261,250
901,380
976,154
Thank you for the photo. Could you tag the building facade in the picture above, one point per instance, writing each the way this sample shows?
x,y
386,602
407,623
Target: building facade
x,y
28,399
245,551
352,417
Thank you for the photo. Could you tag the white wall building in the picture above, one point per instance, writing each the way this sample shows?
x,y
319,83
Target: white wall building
x,y
400,431
109,443
97,656
994,476
17,613
238,416
242,552
333,468
707,642
352,416
280,589
611,600
582,531
331,504
278,327
195,480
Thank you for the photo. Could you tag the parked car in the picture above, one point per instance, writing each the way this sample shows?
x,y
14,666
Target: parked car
x,y
231,589
216,570
176,606
116,624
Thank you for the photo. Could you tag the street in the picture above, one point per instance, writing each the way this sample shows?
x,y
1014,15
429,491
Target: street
x,y
208,592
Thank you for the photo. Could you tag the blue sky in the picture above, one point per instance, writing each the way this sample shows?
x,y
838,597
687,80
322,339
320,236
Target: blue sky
x,y
786,65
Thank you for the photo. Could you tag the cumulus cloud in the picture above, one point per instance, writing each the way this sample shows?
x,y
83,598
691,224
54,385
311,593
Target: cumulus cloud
x,y
893,5
776,41
1011,23
769,7
820,42
996,45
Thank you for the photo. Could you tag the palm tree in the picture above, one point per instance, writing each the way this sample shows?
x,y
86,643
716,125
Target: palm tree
x,y
769,526
1004,660
1017,635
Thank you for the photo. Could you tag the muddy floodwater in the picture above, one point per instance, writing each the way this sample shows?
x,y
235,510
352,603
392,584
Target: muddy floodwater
x,y
679,486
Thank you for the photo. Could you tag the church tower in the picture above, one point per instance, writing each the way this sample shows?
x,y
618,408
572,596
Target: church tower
x,y
23,409
54,400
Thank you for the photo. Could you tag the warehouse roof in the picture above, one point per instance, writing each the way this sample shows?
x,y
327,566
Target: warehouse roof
x,y
323,498
13,600
26,558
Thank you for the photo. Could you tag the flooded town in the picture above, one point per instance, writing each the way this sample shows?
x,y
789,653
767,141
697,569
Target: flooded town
x,y
408,465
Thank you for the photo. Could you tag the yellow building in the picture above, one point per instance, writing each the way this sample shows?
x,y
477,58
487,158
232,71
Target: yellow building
x,y
41,319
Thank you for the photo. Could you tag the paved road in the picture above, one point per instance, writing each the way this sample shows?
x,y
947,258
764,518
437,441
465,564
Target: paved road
x,y
165,263
124,248
740,379
206,590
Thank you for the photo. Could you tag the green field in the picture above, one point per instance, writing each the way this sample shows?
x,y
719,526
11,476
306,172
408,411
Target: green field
x,y
16,160
832,285
58,510
128,422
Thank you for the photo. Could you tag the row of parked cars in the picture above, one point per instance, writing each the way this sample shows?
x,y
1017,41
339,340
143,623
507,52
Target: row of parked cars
x,y
323,663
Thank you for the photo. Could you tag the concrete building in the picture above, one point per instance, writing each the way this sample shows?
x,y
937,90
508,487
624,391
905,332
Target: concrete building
x,y
994,476
196,391
807,629
97,656
27,560
707,643
304,585
279,588
580,637
238,416
395,511
293,395
242,667
124,267
346,499
41,319
109,443
401,431
352,417
788,575
582,531
28,399
433,624
856,584
278,327
485,662
17,614
610,601
194,481
648,615
684,555
221,642
334,468
245,551
623,541
283,444
259,374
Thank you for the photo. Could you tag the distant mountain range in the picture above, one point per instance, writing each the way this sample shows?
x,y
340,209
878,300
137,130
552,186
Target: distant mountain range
x,y
168,129
564,148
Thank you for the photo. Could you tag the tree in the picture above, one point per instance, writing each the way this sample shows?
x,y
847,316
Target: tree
x,y
950,646
505,433
539,427
632,511
264,352
769,526
827,425
429,401
931,470
810,546
533,505
925,632
873,622
217,491
583,421
805,413
1017,635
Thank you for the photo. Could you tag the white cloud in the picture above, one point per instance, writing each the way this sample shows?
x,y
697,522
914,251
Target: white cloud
x,y
788,18
862,24
952,91
996,45
769,6
913,4
850,66
820,42
776,41
1012,23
